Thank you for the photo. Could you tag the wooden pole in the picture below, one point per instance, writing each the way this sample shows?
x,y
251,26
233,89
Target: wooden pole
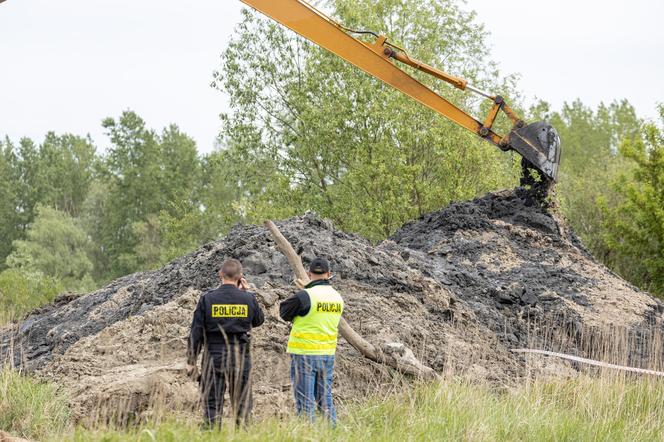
x,y
409,366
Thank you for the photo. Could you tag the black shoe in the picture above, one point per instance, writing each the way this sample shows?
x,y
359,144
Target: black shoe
x,y
210,426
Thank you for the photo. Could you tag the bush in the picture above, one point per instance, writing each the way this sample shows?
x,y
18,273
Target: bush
x,y
22,291
56,246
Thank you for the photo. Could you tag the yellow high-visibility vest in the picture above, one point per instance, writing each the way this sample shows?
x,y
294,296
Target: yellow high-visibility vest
x,y
316,332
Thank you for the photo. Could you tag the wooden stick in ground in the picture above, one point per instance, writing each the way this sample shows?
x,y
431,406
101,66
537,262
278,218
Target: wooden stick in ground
x,y
407,365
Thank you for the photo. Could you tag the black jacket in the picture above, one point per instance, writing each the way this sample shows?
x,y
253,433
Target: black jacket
x,y
223,316
300,303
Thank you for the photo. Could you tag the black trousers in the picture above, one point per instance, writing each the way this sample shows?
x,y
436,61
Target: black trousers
x,y
226,366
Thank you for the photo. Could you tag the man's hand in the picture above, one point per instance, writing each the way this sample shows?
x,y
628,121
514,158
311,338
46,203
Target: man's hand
x,y
243,284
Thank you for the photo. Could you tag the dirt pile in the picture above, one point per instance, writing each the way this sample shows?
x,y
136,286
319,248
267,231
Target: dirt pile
x,y
460,287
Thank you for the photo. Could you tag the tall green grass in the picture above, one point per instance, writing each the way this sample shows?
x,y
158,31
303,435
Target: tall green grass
x,y
584,409
29,408
607,408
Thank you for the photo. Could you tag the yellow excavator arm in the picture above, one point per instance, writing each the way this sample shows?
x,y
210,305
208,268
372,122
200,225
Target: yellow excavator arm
x,y
538,143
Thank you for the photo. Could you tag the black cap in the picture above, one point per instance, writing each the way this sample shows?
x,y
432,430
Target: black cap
x,y
319,266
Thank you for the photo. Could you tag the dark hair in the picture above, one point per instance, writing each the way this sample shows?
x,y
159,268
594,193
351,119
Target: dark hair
x,y
231,269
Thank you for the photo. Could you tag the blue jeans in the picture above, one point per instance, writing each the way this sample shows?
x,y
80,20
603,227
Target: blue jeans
x,y
312,378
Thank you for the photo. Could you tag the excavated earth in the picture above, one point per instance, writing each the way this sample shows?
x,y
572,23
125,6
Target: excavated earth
x,y
461,287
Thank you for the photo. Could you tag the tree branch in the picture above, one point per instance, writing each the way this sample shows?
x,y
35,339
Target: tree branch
x,y
404,362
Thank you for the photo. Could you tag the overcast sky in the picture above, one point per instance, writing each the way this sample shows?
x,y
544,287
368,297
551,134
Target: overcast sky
x,y
67,64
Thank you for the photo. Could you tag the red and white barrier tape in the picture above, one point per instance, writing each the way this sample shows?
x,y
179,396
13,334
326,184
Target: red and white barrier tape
x,y
589,361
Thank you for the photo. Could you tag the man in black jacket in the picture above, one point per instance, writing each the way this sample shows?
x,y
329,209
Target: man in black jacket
x,y
222,323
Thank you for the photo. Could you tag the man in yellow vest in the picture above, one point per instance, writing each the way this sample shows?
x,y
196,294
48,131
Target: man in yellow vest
x,y
315,313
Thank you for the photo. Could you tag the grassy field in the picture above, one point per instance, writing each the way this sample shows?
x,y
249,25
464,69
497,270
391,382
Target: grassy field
x,y
605,408
31,408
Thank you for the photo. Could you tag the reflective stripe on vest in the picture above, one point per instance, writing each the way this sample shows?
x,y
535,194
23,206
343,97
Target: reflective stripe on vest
x,y
316,332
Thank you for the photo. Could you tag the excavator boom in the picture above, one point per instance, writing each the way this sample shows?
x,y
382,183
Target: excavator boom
x,y
538,143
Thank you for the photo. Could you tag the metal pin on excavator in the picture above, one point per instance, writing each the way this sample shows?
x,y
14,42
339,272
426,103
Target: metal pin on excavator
x,y
537,143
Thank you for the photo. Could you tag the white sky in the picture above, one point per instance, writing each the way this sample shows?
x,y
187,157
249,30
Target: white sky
x,y
67,64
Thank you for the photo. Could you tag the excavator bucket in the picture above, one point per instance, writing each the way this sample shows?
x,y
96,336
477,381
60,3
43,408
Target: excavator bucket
x,y
538,143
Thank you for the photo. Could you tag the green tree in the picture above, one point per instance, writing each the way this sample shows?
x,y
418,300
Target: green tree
x,y
54,246
149,249
26,182
9,199
310,132
224,191
176,232
93,219
142,174
635,226
56,173
590,162
65,171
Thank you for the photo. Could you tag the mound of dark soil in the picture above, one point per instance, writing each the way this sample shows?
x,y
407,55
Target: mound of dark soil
x,y
461,287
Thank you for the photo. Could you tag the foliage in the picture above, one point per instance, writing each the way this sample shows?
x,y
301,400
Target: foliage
x,y
610,186
148,199
635,225
310,132
590,162
56,173
142,173
93,220
55,246
307,131
21,292
29,408
183,228
148,250
9,199
64,172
